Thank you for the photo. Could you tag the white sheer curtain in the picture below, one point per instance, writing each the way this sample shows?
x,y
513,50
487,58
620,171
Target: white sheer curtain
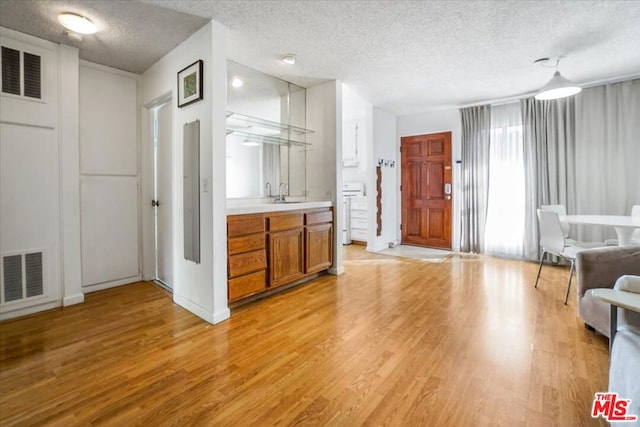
x,y
504,228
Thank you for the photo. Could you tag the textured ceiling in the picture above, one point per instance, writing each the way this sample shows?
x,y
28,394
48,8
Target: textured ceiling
x,y
402,56
131,35
410,56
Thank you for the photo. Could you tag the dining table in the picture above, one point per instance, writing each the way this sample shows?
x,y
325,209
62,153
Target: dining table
x,y
624,225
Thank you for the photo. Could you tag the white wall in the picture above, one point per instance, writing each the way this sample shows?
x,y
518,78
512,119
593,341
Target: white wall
x,y
324,156
356,143
109,196
433,122
384,147
69,113
38,175
200,288
244,168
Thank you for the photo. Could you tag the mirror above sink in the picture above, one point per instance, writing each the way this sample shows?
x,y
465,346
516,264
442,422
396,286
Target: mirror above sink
x,y
266,135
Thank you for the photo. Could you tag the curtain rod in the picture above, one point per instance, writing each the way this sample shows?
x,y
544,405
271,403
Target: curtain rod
x,y
509,99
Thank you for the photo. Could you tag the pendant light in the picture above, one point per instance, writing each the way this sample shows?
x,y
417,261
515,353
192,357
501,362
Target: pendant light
x,y
558,87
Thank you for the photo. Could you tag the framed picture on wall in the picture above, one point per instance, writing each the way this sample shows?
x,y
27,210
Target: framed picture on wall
x,y
190,84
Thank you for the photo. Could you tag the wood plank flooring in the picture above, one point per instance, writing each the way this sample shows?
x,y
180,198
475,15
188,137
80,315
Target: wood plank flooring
x,y
393,341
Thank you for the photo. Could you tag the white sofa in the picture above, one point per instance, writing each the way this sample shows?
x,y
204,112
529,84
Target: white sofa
x,y
624,370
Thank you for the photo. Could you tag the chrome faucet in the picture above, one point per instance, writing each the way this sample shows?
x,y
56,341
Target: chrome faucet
x,y
280,197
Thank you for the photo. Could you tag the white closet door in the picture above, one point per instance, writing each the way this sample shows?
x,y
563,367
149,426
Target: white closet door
x,y
164,196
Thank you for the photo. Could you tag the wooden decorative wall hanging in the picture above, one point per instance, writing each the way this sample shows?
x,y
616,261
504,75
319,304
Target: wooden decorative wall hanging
x,y
378,200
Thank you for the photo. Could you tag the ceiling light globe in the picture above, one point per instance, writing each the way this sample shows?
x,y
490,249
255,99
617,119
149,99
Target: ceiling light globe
x,y
558,87
77,23
558,93
289,59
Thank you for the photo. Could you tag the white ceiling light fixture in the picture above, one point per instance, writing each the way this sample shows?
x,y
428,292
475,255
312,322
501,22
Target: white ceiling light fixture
x,y
289,58
250,143
558,87
236,82
77,23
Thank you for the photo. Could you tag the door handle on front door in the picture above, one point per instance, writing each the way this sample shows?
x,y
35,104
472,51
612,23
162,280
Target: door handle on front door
x,y
447,191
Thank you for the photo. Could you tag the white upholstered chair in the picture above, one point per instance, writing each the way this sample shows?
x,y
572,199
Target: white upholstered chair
x,y
553,242
561,211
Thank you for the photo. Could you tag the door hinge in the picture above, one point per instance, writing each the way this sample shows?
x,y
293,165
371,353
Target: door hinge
x,y
400,226
155,203
401,188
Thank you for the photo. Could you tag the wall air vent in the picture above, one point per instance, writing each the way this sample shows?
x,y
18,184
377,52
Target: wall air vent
x,y
10,71
21,74
22,276
32,73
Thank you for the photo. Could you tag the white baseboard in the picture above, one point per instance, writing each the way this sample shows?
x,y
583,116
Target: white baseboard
x,y
196,309
336,271
377,248
29,310
73,299
221,315
106,285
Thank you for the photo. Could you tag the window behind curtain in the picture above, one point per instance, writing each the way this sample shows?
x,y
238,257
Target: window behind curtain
x,y
504,230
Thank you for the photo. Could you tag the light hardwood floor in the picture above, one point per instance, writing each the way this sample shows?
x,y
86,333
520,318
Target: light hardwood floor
x,y
393,341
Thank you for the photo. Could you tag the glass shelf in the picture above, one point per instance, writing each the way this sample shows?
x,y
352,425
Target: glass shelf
x,y
267,139
265,131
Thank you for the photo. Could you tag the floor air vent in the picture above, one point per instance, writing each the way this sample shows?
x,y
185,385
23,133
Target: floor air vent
x,y
22,276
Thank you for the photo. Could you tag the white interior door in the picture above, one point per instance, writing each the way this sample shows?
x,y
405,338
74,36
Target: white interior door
x,y
163,192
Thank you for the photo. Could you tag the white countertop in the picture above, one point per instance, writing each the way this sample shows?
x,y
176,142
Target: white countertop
x,y
248,207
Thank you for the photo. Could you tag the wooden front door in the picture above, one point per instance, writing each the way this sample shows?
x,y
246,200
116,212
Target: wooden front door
x,y
426,190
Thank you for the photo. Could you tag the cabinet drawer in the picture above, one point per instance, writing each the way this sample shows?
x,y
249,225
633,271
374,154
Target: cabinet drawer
x,y
359,214
358,223
318,217
252,242
247,263
359,205
245,286
360,235
241,225
285,222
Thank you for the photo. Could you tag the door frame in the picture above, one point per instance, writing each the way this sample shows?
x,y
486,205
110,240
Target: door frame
x,y
147,183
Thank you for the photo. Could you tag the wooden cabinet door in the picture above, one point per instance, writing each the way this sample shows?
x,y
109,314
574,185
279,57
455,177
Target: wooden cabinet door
x,y
285,256
319,253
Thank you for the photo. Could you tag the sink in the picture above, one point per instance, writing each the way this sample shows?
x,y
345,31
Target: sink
x,y
285,202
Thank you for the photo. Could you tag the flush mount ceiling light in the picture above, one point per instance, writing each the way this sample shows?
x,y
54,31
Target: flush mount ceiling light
x,y
77,23
236,82
289,58
558,87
